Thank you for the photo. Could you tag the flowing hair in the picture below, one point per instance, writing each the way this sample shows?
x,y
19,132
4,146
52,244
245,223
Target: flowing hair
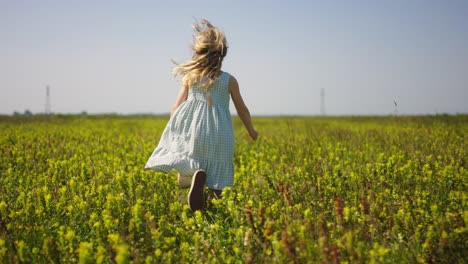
x,y
209,49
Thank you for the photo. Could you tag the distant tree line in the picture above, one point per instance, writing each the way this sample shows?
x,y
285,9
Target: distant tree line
x,y
26,113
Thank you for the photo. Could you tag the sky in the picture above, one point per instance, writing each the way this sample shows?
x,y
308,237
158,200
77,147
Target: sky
x,y
116,56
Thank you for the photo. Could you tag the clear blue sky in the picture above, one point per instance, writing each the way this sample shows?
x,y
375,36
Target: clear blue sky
x,y
115,56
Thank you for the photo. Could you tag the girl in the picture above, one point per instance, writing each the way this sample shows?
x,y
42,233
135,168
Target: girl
x,y
199,139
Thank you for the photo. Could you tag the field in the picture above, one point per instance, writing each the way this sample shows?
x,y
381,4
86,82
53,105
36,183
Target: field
x,y
310,190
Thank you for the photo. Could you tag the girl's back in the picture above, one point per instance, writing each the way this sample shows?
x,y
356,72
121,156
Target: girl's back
x,y
217,95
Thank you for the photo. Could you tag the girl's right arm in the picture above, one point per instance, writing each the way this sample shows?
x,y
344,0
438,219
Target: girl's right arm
x,y
242,110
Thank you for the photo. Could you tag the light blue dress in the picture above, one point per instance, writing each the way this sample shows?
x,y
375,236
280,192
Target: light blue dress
x,y
199,136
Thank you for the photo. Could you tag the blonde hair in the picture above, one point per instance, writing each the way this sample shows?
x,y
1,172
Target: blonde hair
x,y
209,49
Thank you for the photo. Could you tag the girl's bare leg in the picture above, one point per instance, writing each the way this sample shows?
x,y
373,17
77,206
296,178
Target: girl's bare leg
x,y
184,181
216,193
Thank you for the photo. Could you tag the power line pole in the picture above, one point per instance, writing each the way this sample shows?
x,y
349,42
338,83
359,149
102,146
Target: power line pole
x,y
395,110
322,101
47,105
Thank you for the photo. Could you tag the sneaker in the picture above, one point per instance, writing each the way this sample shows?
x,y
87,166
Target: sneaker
x,y
196,197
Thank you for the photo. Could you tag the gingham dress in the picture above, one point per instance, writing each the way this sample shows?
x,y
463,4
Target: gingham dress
x,y
199,136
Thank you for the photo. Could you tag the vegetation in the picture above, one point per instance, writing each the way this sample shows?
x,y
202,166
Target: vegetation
x,y
310,190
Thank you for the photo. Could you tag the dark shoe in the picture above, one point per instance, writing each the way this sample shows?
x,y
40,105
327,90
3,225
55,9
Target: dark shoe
x,y
196,196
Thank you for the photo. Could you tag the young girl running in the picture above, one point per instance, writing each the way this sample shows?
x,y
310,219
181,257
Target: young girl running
x,y
199,139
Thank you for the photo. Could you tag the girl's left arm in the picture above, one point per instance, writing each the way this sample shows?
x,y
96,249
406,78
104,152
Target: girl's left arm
x,y
183,93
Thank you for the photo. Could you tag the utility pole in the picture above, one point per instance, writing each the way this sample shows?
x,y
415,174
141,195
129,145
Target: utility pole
x,y
47,105
322,101
395,110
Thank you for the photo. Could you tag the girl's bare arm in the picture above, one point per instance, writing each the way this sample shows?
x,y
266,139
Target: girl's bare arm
x,y
242,110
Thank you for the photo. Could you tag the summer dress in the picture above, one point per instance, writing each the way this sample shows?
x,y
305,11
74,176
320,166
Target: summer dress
x,y
199,136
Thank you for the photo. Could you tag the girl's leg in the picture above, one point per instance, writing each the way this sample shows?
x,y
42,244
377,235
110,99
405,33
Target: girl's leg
x,y
216,193
184,181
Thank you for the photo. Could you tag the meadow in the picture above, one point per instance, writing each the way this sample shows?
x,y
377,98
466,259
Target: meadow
x,y
310,190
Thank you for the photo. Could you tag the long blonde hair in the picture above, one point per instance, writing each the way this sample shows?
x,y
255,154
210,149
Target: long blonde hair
x,y
209,49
